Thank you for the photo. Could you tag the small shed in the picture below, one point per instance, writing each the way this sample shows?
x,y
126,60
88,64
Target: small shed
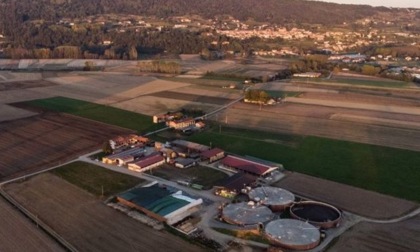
x,y
184,162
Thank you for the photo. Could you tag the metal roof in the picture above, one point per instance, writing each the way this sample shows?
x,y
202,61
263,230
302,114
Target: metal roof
x,y
211,153
149,160
247,165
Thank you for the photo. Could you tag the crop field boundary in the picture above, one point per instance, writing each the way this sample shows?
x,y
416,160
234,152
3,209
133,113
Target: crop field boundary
x,y
39,223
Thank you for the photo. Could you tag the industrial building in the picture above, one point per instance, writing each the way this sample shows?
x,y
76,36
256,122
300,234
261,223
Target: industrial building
x,y
163,203
292,234
275,198
246,214
317,213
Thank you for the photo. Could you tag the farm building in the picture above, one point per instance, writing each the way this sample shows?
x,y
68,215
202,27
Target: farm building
x,y
168,152
232,186
147,163
131,139
307,75
121,157
181,152
161,202
182,123
190,146
184,162
245,165
126,159
213,155
167,117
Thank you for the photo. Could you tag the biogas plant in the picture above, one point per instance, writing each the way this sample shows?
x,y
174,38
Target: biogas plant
x,y
281,218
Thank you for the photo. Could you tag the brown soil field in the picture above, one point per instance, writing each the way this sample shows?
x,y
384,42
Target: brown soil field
x,y
364,98
395,109
192,97
371,237
24,84
150,105
17,233
210,91
8,113
318,121
352,199
18,95
86,222
39,142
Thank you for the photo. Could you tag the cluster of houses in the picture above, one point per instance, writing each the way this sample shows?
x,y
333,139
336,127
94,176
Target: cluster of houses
x,y
348,58
307,75
178,121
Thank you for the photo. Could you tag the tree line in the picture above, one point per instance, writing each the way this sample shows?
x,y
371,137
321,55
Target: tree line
x,y
273,11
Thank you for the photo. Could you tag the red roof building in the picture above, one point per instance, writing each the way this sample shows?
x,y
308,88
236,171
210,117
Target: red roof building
x,y
179,124
213,155
147,163
245,165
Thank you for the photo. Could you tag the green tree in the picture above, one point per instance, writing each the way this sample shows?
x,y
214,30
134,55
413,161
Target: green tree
x,y
106,148
370,70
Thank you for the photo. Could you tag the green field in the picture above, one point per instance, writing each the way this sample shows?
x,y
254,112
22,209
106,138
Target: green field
x,y
97,112
94,178
386,170
282,94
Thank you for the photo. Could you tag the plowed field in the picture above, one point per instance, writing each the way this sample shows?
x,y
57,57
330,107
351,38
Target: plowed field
x,y
87,223
18,234
369,237
39,142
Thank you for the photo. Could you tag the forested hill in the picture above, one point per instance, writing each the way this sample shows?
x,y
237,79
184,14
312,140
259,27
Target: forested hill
x,y
274,11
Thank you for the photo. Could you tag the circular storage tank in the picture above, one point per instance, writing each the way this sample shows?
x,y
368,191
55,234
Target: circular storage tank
x,y
276,198
246,214
292,234
316,213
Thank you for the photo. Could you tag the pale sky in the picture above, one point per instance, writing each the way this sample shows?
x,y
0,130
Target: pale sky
x,y
386,3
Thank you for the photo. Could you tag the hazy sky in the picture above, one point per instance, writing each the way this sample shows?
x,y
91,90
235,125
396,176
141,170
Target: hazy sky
x,y
386,3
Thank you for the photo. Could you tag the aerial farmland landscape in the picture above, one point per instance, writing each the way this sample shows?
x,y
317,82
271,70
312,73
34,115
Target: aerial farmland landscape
x,y
207,129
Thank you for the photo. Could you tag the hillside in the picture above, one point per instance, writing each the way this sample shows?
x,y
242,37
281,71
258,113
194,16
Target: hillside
x,y
273,11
